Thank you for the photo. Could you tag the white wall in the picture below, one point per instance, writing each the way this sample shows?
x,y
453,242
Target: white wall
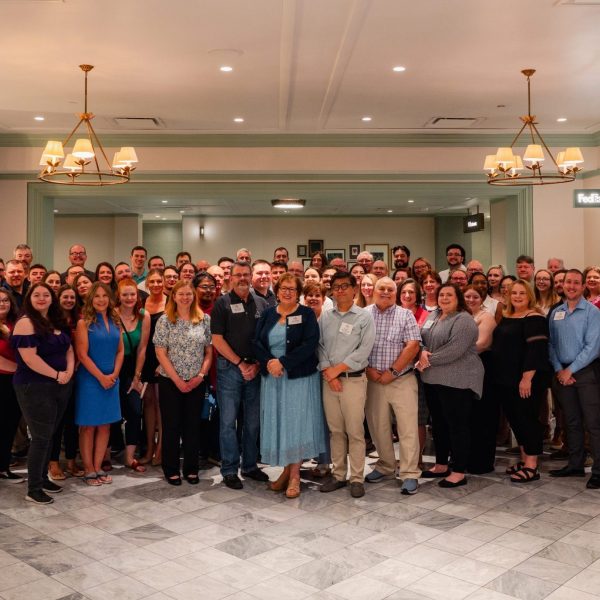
x,y
223,236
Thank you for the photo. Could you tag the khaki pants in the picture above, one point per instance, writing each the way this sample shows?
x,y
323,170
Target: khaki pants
x,y
402,397
345,413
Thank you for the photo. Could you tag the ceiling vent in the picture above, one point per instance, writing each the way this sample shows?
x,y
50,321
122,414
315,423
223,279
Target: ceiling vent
x,y
453,122
139,123
577,2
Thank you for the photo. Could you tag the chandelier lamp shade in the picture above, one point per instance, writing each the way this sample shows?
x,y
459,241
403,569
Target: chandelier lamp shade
x,y
506,168
87,163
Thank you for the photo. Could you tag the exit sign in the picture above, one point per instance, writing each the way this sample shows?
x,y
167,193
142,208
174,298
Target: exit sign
x,y
586,198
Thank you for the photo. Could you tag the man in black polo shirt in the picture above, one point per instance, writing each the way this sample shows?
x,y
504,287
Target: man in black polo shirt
x,y
233,321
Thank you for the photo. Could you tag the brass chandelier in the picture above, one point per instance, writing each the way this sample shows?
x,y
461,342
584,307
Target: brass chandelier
x,y
504,167
75,170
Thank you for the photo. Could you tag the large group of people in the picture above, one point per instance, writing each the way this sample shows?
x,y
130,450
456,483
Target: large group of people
x,y
249,362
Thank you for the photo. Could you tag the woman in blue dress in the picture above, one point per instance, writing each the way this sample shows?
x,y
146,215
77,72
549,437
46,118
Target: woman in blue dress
x,y
291,424
100,352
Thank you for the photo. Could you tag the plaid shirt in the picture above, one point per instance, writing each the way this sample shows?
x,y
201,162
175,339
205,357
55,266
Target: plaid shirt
x,y
393,328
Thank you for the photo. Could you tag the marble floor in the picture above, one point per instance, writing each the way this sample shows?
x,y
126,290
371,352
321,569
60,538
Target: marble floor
x,y
140,538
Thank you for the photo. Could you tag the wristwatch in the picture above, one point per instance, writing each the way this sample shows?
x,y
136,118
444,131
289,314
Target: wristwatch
x,y
394,372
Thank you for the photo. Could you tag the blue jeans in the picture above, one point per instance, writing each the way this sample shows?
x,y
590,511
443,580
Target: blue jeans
x,y
232,391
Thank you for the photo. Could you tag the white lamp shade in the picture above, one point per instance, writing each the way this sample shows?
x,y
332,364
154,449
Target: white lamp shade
x,y
560,160
127,155
505,157
53,150
518,166
490,163
71,164
117,163
83,149
534,153
573,156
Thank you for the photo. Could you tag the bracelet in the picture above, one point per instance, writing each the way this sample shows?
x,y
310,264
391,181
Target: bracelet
x,y
201,375
239,362
57,375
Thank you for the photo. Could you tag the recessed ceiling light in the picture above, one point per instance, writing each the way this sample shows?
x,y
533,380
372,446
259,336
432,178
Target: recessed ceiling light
x,y
390,210
181,211
165,201
238,120
411,201
226,69
366,119
164,218
56,210
399,69
39,118
286,203
157,216
561,119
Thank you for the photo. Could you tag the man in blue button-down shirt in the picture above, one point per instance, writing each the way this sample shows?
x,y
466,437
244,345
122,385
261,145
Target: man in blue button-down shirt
x,y
575,355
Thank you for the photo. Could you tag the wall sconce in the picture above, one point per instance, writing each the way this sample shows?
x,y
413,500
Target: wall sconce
x,y
201,231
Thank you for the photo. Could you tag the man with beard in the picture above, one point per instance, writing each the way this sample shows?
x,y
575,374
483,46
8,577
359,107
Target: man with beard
x,y
401,256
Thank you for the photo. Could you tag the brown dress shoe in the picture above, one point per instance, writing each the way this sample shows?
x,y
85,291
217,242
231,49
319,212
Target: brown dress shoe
x,y
282,482
293,488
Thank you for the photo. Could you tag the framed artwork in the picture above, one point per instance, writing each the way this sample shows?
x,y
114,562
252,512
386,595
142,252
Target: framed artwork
x,y
306,263
301,250
379,252
337,253
353,251
315,246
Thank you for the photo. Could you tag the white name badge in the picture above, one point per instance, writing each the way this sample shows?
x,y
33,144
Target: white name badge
x,y
296,320
346,328
427,324
559,315
237,308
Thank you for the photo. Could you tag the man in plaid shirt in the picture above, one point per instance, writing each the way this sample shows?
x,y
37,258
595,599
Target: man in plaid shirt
x,y
392,384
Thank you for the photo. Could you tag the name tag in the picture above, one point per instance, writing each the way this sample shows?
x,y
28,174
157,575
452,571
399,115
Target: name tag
x,y
237,308
559,315
295,320
427,324
346,328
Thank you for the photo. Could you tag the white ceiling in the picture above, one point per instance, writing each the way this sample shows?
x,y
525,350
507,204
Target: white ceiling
x,y
299,65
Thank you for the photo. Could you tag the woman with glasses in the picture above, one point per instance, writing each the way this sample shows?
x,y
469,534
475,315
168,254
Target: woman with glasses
x,y
545,296
183,346
291,425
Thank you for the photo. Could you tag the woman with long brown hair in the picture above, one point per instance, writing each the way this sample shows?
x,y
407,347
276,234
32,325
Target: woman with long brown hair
x,y
100,352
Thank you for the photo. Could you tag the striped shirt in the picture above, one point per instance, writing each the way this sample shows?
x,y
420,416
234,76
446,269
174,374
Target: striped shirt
x,y
394,326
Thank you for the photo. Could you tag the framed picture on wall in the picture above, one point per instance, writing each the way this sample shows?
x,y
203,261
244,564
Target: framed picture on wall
x,y
353,251
315,246
306,263
379,252
337,253
301,251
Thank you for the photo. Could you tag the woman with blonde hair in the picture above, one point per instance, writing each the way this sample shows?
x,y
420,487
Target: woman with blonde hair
x,y
366,290
100,352
521,374
545,296
591,279
183,347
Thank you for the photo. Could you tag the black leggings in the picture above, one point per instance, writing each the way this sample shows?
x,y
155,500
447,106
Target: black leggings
x,y
450,410
71,434
523,415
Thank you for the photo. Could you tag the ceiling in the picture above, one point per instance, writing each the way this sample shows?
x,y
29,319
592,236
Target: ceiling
x,y
300,66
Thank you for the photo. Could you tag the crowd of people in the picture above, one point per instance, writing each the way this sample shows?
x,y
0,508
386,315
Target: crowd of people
x,y
250,362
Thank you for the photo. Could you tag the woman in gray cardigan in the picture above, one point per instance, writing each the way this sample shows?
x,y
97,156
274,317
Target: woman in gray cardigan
x,y
453,376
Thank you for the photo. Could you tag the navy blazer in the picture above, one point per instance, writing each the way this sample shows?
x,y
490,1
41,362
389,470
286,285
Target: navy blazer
x,y
302,339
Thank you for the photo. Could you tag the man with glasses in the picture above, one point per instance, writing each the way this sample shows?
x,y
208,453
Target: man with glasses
x,y
455,257
347,338
233,323
171,277
77,258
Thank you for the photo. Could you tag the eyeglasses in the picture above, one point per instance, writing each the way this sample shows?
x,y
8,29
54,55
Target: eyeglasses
x,y
288,290
4,301
542,278
207,288
340,287
78,253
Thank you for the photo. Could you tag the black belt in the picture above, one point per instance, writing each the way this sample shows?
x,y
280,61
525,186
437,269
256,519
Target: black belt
x,y
352,373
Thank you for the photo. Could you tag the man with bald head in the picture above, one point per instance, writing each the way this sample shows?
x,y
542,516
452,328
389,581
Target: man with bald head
x,y
474,266
295,268
380,269
392,385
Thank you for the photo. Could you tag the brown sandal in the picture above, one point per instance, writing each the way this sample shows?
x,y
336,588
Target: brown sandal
x,y
281,484
55,472
293,488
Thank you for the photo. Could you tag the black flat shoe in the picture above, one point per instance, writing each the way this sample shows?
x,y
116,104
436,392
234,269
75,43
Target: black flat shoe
x,y
444,483
174,480
255,474
567,472
432,475
192,479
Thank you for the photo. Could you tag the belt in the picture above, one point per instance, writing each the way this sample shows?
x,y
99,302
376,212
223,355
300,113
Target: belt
x,y
352,373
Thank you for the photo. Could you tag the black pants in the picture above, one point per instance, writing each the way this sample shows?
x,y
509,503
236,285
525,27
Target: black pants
x,y
71,433
10,415
581,407
523,415
484,425
43,405
450,410
131,409
180,415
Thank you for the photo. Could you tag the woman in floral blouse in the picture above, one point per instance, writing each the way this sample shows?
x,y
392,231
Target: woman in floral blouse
x,y
183,347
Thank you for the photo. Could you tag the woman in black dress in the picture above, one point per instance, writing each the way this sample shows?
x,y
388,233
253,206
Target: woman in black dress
x,y
521,373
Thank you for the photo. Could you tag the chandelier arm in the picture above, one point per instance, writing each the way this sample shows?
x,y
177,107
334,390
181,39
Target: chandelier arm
x,y
90,132
545,146
518,135
93,134
72,132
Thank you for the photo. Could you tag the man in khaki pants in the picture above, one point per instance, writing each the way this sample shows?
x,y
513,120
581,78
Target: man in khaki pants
x,y
392,384
347,336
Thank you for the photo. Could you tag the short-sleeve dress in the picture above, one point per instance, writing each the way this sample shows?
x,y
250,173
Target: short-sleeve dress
x,y
93,404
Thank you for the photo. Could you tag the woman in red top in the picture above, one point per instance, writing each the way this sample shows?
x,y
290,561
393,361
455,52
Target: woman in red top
x,y
10,411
